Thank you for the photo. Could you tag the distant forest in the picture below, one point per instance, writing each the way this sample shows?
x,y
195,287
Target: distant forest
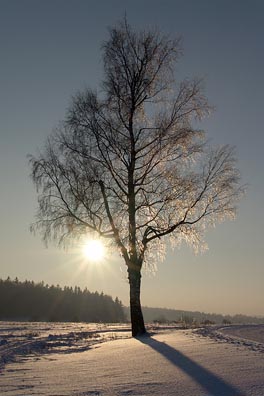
x,y
31,301
165,315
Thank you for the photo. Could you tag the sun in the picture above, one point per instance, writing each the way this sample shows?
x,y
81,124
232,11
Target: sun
x,y
94,250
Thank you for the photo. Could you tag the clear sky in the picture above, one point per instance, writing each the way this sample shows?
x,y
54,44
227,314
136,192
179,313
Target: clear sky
x,y
49,49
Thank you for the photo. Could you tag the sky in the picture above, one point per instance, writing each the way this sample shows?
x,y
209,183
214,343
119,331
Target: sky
x,y
51,49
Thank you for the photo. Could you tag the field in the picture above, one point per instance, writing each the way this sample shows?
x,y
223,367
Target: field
x,y
60,359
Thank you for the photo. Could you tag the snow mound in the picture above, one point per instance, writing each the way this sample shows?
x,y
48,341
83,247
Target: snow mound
x,y
249,336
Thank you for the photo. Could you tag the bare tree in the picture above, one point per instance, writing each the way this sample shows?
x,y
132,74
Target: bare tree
x,y
129,165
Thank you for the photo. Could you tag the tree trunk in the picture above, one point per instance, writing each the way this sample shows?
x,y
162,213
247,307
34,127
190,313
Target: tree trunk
x,y
137,321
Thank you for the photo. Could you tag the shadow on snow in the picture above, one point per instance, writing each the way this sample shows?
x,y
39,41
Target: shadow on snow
x,y
209,381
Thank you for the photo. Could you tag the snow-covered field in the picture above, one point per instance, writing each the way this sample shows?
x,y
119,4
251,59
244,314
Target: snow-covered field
x,y
250,336
249,332
84,360
22,340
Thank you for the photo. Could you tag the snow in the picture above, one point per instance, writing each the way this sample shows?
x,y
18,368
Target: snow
x,y
250,336
248,332
103,360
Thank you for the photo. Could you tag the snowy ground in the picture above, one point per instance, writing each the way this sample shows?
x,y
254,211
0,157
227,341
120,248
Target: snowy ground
x,y
250,336
103,360
22,340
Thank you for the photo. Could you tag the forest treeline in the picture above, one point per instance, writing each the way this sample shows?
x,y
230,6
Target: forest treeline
x,y
39,302
165,315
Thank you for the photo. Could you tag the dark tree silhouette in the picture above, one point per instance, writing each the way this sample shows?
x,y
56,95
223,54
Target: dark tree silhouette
x,y
36,301
128,164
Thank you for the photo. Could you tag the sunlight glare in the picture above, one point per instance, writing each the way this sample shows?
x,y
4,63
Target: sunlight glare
x,y
94,250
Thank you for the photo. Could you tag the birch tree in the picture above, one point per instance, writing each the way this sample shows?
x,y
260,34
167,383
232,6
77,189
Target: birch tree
x,y
129,163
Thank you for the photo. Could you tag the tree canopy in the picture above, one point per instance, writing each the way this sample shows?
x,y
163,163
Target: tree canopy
x,y
129,163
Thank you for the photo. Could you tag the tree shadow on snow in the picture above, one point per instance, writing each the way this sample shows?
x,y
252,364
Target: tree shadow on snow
x,y
209,381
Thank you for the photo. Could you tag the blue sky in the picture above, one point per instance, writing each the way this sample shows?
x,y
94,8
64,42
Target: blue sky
x,y
51,49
